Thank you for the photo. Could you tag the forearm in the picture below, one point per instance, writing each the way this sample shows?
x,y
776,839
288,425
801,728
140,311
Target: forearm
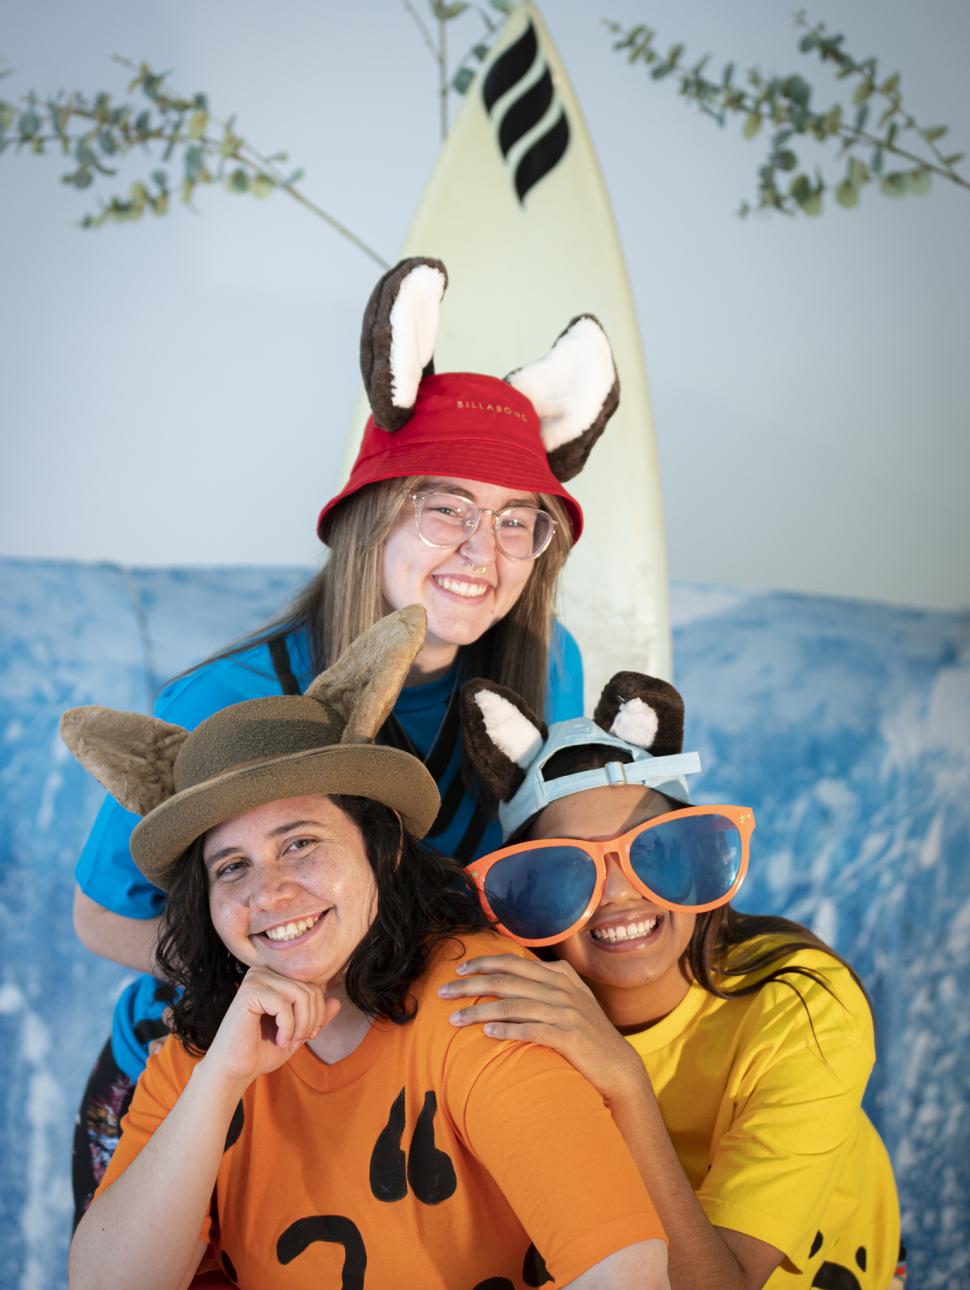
x,y
697,1255
132,942
143,1232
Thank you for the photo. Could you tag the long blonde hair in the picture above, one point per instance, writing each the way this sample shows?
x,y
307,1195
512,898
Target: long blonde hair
x,y
345,597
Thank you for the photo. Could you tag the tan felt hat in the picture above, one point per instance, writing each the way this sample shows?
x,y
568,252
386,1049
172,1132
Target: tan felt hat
x,y
262,750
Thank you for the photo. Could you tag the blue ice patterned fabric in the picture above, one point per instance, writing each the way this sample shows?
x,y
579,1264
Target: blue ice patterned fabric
x,y
106,873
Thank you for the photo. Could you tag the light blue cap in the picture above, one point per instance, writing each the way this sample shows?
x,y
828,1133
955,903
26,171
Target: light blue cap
x,y
664,774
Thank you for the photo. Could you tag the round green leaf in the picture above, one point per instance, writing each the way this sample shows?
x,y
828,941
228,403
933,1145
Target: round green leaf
x,y
918,182
847,194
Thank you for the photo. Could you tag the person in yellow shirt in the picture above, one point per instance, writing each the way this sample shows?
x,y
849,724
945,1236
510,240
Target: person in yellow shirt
x,y
732,1049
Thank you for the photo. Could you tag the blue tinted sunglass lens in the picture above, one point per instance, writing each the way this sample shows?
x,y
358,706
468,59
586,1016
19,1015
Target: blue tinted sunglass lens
x,y
540,893
689,860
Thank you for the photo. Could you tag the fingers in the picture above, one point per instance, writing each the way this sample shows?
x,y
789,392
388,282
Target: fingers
x,y
298,1009
515,1010
508,975
531,969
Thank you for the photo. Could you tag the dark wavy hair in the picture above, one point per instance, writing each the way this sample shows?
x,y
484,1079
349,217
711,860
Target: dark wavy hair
x,y
725,943
422,898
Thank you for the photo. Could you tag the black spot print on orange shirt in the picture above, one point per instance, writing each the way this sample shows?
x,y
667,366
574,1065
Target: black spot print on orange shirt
x,y
332,1229
388,1172
430,1171
235,1127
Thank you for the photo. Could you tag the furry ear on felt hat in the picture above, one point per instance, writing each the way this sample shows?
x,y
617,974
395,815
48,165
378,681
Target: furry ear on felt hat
x,y
502,735
263,750
131,755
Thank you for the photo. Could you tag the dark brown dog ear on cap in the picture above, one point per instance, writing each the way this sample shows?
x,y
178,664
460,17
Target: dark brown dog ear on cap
x,y
131,755
644,711
502,735
364,683
575,390
398,336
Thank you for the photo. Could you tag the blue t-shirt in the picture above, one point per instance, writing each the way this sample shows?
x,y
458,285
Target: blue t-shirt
x,y
107,874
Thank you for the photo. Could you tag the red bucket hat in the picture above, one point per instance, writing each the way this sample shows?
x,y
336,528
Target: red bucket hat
x,y
533,430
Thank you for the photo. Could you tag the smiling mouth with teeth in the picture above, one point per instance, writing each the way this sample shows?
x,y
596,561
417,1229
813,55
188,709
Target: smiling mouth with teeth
x,y
625,932
459,587
290,931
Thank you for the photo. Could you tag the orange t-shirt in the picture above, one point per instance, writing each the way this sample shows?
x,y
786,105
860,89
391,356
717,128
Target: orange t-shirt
x,y
429,1157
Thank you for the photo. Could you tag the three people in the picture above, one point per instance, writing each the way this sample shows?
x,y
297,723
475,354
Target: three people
x,y
732,1049
316,1121
456,502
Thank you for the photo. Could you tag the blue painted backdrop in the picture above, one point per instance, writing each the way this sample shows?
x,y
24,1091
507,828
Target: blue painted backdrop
x,y
845,724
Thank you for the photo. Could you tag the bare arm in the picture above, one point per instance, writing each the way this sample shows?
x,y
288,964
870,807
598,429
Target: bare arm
x,y
128,941
142,1232
547,1003
637,1267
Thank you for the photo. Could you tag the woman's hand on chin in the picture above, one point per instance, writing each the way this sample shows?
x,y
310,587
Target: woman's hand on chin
x,y
269,1019
547,1003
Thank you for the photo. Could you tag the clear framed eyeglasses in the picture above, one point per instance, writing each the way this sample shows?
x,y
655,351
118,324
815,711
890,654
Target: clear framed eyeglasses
x,y
448,519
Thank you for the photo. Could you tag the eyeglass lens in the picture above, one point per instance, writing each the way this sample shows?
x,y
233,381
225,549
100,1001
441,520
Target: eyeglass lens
x,y
446,519
536,896
689,860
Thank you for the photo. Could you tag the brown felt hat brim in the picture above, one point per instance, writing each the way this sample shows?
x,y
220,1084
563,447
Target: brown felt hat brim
x,y
382,774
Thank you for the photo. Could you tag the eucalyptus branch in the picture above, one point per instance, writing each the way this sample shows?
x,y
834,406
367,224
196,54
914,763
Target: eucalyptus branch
x,y
783,102
97,133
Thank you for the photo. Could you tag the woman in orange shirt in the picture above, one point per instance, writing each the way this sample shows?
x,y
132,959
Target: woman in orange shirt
x,y
313,1110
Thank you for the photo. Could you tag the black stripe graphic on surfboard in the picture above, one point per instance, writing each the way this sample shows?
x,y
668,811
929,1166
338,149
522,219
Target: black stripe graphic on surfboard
x,y
525,111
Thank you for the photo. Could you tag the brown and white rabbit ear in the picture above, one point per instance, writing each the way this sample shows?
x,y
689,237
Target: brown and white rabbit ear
x,y
644,711
398,336
131,755
502,735
575,390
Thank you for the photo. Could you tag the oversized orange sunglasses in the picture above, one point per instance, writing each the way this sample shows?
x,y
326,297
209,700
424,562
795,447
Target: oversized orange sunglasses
x,y
543,891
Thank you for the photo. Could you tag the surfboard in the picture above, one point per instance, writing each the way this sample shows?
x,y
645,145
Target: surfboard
x,y
517,210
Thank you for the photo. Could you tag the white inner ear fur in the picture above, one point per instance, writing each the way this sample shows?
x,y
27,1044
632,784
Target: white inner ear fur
x,y
636,722
414,330
569,385
510,731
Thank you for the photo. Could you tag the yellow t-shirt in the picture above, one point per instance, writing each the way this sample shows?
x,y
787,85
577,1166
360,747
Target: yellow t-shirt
x,y
429,1157
767,1122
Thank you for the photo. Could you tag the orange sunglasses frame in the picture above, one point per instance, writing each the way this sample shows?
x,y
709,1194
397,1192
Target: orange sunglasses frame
x,y
742,817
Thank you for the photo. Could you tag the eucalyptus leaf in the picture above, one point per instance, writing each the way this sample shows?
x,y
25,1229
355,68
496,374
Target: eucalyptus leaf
x,y
462,79
918,182
846,194
895,184
197,123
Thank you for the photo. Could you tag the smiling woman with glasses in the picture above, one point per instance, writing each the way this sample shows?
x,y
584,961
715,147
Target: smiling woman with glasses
x,y
733,1049
456,503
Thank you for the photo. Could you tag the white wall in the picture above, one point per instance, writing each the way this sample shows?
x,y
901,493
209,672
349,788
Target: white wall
x,y
179,390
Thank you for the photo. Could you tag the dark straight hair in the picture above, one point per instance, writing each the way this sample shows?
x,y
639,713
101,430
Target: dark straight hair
x,y
422,899
725,943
